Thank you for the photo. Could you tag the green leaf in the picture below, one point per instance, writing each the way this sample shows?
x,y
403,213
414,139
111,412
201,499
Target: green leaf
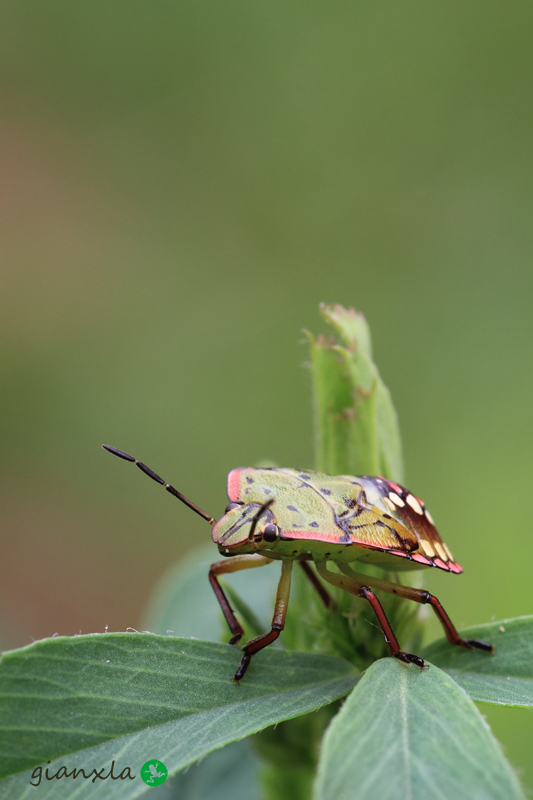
x,y
352,327
137,696
356,427
404,733
229,773
505,678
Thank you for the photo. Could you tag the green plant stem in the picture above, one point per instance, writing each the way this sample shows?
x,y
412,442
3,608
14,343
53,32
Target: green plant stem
x,y
356,432
290,752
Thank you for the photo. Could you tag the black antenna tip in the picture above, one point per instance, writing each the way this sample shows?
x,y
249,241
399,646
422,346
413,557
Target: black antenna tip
x,y
119,453
149,472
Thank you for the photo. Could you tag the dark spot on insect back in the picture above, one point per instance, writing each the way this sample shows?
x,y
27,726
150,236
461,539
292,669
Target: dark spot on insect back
x,y
249,480
350,502
267,491
292,508
325,491
313,524
303,476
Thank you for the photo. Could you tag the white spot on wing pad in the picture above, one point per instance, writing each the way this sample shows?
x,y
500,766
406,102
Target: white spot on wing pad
x,y
415,505
389,504
427,548
429,518
396,499
441,551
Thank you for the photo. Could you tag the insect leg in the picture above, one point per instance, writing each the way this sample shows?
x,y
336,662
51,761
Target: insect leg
x,y
361,589
421,596
278,621
325,596
233,564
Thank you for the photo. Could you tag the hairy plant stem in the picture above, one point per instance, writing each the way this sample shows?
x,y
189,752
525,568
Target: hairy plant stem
x,y
356,432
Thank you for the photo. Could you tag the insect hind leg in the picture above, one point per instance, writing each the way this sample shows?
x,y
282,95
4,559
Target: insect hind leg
x,y
425,598
363,590
449,627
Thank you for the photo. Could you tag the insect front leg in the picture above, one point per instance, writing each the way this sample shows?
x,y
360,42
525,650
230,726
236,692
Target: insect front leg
x,y
362,589
233,564
278,621
421,596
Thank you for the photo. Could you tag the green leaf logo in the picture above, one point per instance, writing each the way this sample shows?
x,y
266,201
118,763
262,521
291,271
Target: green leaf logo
x,y
154,772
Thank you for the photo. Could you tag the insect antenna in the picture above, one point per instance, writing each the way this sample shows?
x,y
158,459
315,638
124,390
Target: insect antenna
x,y
157,479
258,516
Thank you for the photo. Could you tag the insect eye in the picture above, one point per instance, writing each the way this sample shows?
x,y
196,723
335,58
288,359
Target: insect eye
x,y
270,533
231,506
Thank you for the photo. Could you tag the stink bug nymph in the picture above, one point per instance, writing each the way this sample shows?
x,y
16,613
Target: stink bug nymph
x,y
308,517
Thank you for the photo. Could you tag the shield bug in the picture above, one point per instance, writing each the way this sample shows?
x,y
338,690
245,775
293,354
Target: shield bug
x,y
291,515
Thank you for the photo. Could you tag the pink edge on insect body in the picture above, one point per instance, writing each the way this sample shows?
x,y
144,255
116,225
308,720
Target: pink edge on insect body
x,y
451,566
421,559
301,533
397,553
234,484
395,486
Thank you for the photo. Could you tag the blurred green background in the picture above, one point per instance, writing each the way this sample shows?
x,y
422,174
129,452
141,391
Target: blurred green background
x,y
181,184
